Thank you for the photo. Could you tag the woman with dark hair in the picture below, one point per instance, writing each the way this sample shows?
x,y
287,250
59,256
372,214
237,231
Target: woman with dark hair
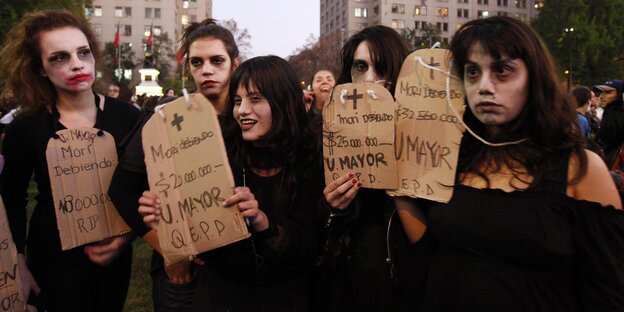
x,y
321,84
275,158
209,53
375,54
535,222
49,61
367,262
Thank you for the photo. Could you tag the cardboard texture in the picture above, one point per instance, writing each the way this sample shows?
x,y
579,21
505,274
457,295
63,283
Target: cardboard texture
x,y
358,135
187,167
11,296
81,165
428,131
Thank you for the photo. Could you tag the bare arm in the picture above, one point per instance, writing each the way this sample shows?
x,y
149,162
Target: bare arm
x,y
412,218
596,185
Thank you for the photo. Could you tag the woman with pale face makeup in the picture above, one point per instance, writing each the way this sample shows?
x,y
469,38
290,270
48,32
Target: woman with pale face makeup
x,y
275,158
367,262
50,59
209,53
534,222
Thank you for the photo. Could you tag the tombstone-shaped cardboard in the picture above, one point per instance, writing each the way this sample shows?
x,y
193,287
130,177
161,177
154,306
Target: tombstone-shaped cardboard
x,y
81,163
11,296
358,135
429,131
188,168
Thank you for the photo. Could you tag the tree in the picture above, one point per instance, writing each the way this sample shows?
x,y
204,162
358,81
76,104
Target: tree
x,y
317,54
108,66
585,38
429,34
161,56
241,36
11,11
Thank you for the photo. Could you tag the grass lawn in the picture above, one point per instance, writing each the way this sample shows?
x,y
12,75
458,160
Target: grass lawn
x,y
140,293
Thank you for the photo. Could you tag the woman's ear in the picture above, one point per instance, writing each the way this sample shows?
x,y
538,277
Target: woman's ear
x,y
235,63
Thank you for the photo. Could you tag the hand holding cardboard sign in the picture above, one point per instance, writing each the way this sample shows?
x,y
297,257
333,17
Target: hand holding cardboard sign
x,y
340,192
149,208
106,251
28,281
247,204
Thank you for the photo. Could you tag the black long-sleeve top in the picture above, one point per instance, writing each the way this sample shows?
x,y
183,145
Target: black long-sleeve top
x,y
611,134
272,269
24,149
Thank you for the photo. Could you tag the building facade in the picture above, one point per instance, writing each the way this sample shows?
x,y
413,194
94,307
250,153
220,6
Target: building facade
x,y
136,18
347,17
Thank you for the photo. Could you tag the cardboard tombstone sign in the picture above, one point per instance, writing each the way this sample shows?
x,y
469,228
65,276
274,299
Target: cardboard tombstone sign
x,y
358,135
81,163
430,104
188,169
11,296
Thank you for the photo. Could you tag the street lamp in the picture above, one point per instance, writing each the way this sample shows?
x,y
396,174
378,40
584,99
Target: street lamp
x,y
569,30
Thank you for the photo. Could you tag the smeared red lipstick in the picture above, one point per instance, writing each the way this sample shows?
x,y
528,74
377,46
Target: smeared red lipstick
x,y
80,78
209,84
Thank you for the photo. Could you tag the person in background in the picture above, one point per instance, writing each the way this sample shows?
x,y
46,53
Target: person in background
x,y
534,222
582,95
50,58
594,115
114,90
276,162
611,135
367,262
210,55
322,83
169,92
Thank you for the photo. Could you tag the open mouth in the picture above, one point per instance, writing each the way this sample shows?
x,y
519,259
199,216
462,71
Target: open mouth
x,y
247,124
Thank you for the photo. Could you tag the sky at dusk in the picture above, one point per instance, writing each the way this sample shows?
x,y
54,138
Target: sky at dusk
x,y
276,27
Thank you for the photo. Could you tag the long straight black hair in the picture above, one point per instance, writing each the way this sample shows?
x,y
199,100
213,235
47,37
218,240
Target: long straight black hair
x,y
292,141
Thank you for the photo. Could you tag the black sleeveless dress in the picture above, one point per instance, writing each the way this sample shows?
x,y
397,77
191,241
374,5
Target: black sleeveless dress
x,y
525,251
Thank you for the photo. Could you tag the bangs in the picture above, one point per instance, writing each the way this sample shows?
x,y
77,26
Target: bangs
x,y
495,39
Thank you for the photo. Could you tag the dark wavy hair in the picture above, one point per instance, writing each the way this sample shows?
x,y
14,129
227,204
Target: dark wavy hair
x,y
387,51
207,28
292,141
20,58
548,120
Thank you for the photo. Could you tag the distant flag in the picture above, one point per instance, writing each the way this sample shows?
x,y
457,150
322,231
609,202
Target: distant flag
x,y
180,55
116,41
116,44
149,38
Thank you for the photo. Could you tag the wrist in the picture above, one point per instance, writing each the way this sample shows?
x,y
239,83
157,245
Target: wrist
x,y
261,222
270,231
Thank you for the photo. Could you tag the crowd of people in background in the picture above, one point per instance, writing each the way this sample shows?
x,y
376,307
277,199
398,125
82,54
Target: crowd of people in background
x,y
535,222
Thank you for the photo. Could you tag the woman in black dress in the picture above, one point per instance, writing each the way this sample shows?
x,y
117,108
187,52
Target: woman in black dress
x,y
210,57
275,158
535,222
367,261
50,59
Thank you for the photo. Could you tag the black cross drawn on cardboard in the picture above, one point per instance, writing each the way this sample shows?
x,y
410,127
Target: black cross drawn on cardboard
x,y
432,64
177,121
354,97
